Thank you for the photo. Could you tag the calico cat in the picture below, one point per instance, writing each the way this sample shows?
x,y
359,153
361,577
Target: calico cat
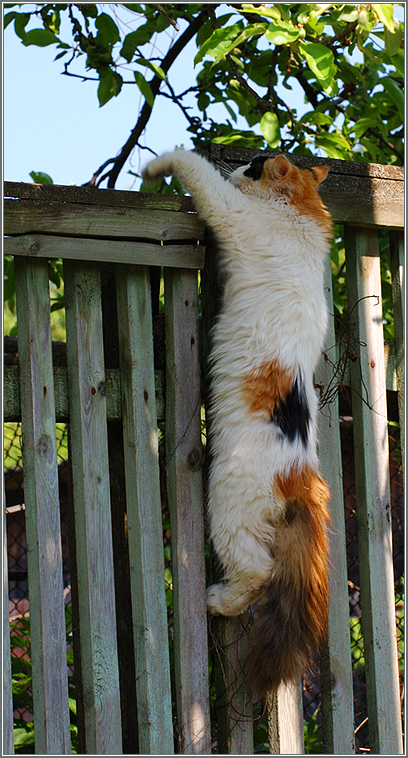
x,y
267,501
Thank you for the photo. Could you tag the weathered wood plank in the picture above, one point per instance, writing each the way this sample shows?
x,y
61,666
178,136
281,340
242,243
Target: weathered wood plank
x,y
90,478
360,194
12,407
230,637
184,486
398,295
54,193
335,668
79,220
116,251
285,720
8,741
372,490
143,507
44,555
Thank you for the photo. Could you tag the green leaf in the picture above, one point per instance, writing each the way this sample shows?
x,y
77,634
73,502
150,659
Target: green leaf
x,y
315,117
396,93
270,129
144,87
40,37
107,29
153,67
105,89
252,30
242,138
219,41
39,177
282,33
23,737
272,12
361,126
334,144
20,23
131,42
9,17
393,40
385,12
321,62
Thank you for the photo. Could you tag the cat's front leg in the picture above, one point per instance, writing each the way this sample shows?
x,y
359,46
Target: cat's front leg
x,y
161,166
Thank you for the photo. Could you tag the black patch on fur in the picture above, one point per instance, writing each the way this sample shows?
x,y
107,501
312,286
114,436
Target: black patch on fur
x,y
292,416
256,167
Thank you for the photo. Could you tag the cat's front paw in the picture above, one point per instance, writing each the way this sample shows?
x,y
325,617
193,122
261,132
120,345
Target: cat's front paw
x,y
157,168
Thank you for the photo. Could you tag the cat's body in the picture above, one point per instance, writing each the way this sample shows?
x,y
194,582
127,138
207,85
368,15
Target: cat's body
x,y
267,502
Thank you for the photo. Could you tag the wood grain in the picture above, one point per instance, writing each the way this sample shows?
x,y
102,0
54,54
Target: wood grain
x,y
184,486
8,737
43,528
143,507
373,494
80,220
336,672
90,478
398,296
116,251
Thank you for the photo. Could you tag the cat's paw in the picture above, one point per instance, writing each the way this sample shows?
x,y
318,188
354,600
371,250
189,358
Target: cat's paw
x,y
157,168
214,599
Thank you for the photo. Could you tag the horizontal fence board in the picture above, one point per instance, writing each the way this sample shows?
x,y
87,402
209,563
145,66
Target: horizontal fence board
x,y
360,194
184,487
11,402
336,671
370,432
80,220
11,389
42,510
115,251
143,508
91,495
58,193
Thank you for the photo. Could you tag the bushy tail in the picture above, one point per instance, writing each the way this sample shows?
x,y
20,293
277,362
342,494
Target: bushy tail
x,y
291,618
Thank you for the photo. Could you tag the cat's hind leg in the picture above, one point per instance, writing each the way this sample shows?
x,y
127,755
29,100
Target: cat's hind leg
x,y
248,570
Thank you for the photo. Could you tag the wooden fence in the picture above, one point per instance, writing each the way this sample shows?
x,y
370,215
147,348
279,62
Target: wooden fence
x,y
113,405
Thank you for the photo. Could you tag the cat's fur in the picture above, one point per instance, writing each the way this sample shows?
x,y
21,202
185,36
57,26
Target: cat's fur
x,y
267,501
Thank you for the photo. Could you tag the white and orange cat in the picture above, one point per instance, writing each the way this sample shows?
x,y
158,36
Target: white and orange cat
x,y
267,501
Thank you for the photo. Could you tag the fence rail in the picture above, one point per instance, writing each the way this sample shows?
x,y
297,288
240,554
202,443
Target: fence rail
x,y
112,406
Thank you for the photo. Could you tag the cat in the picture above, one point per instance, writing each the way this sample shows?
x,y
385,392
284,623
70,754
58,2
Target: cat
x,y
268,504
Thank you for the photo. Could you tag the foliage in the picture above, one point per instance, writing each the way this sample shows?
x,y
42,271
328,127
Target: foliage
x,y
347,60
20,640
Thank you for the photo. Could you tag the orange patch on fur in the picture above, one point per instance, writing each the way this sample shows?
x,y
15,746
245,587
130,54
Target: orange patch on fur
x,y
299,186
266,386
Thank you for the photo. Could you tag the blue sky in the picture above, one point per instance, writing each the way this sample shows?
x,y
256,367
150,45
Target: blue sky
x,y
53,123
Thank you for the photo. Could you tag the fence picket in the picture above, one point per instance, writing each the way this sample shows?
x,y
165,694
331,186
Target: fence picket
x,y
285,720
184,483
50,682
372,490
143,508
90,477
336,672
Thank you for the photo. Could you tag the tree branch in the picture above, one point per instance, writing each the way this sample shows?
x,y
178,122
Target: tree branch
x,y
145,113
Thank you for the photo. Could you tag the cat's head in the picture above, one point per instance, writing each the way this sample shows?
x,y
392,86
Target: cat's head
x,y
271,178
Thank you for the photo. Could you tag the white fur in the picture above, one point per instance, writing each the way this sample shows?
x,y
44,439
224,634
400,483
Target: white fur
x,y
274,307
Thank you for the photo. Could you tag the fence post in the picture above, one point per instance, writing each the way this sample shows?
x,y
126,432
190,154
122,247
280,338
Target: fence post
x,y
90,480
335,666
285,720
44,555
184,484
144,511
372,490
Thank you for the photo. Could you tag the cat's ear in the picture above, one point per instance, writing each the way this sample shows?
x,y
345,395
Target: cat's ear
x,y
279,167
320,173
